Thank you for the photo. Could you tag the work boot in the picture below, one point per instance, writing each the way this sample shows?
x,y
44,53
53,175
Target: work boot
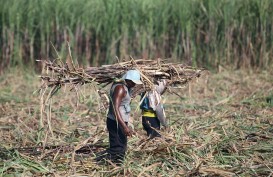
x,y
101,155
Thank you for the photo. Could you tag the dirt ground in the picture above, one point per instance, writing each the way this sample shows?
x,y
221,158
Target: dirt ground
x,y
220,124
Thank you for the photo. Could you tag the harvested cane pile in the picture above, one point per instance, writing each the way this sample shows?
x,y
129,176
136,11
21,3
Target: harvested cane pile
x,y
151,70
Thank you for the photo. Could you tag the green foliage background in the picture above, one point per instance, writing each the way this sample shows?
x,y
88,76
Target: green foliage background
x,y
237,33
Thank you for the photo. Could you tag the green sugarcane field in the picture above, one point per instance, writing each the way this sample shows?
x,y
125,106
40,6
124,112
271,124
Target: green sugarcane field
x,y
65,66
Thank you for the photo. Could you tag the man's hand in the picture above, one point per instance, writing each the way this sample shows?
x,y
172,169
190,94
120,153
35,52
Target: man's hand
x,y
127,131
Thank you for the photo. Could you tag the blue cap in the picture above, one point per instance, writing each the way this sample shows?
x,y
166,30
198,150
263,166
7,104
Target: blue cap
x,y
132,75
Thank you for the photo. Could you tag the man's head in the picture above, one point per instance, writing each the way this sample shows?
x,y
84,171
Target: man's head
x,y
132,77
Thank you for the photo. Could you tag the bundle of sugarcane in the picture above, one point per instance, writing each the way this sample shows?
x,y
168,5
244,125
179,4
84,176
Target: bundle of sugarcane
x,y
151,71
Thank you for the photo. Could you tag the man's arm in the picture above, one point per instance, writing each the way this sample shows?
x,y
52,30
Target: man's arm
x,y
120,93
161,86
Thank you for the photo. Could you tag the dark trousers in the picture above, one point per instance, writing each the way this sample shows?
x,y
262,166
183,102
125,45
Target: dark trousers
x,y
151,125
117,140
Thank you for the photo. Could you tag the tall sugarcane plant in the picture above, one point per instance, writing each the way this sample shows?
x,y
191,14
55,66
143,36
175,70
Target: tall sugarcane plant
x,y
208,33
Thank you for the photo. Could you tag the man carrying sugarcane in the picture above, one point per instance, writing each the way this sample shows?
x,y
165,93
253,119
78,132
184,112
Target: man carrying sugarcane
x,y
118,117
152,110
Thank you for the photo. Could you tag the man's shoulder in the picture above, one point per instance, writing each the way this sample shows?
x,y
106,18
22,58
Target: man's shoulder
x,y
119,89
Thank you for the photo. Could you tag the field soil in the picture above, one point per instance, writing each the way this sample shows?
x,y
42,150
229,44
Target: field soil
x,y
219,125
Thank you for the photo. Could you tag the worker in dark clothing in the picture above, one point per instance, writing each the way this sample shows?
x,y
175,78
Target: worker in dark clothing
x,y
118,116
153,114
